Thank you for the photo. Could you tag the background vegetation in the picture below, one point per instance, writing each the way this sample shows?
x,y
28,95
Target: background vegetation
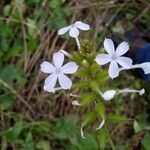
x,y
31,119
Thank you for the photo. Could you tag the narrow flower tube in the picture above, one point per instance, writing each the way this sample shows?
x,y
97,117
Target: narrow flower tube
x,y
78,42
128,90
65,53
53,90
82,133
101,124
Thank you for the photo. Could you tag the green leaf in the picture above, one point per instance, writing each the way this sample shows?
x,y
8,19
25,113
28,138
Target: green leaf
x,y
10,73
82,73
137,126
15,131
116,118
102,137
100,109
7,10
89,97
41,127
54,3
5,30
32,29
6,101
89,143
83,85
146,142
32,44
43,145
13,50
90,117
66,127
118,28
29,143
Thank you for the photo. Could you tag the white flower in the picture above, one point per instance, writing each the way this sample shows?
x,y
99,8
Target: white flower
x,y
114,57
108,95
74,29
57,71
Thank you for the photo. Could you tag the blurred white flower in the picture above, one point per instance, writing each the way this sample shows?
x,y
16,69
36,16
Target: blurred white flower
x,y
114,57
101,124
74,29
57,71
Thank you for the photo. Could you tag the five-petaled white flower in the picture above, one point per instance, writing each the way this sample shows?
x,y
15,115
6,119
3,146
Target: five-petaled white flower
x,y
74,29
114,57
57,71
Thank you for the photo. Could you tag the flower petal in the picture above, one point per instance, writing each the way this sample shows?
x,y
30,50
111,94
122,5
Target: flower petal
x,y
122,48
113,69
74,32
50,82
82,26
58,59
69,68
64,81
125,62
47,67
108,95
109,46
64,30
102,59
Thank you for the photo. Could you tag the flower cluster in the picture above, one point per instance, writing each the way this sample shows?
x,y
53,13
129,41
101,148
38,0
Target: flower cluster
x,y
118,63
